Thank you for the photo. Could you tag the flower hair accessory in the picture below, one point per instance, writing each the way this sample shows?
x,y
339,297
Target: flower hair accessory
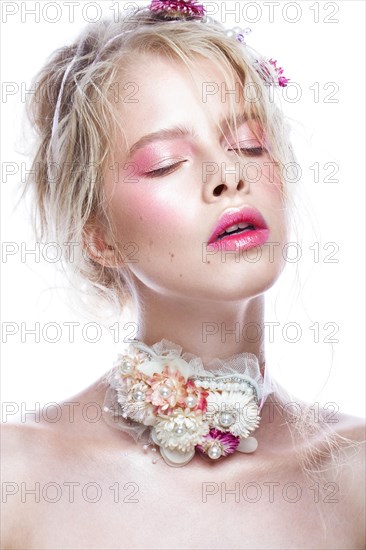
x,y
266,68
167,399
178,7
282,80
270,73
187,9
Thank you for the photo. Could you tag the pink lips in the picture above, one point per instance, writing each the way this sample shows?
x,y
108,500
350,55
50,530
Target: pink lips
x,y
255,234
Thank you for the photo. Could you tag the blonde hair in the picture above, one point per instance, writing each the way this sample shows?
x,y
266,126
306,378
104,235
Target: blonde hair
x,y
85,137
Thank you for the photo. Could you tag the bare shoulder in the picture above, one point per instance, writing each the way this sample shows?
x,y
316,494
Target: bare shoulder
x,y
40,453
21,461
352,481
350,426
352,431
27,443
25,446
335,457
22,444
59,432
350,437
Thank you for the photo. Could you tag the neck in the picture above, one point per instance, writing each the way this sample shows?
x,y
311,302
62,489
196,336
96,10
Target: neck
x,y
207,329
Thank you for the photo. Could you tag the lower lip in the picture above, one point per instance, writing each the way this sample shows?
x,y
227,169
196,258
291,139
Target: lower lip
x,y
240,241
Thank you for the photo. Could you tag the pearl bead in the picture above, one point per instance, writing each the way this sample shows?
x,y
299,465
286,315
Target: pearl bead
x,y
226,419
164,391
180,430
127,367
191,401
138,395
214,451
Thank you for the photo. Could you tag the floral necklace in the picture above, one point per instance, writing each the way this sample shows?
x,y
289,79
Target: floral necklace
x,y
170,400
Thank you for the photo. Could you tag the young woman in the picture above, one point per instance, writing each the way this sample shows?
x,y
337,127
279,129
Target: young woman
x,y
159,155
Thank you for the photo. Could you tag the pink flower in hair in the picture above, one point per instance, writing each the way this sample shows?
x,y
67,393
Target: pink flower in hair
x,y
269,75
282,80
189,7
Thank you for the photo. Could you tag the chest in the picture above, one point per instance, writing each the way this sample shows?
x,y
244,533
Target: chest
x,y
187,508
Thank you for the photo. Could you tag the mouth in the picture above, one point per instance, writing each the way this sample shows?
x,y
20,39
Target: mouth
x,y
243,229
236,229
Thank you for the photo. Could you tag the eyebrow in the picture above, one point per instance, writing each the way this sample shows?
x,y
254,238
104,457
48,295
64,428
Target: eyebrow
x,y
177,132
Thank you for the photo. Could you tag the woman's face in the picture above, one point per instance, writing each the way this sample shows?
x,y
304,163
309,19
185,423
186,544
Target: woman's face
x,y
167,195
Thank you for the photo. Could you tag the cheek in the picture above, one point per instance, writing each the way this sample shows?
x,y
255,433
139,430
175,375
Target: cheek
x,y
143,215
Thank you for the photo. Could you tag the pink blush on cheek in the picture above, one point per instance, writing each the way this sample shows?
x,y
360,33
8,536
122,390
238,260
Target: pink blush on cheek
x,y
153,212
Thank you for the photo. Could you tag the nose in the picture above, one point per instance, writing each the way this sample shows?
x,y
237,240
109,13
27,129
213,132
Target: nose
x,y
224,177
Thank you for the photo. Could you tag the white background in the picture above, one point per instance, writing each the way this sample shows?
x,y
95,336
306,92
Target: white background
x,y
313,53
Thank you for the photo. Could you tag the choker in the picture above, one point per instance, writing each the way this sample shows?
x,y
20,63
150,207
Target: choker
x,y
171,401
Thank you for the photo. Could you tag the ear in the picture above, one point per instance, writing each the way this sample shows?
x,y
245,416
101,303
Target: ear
x,y
98,247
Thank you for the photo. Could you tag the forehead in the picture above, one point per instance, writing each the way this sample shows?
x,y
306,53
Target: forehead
x,y
162,66
161,90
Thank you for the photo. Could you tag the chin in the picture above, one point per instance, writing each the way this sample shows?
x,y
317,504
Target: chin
x,y
236,293
233,283
230,287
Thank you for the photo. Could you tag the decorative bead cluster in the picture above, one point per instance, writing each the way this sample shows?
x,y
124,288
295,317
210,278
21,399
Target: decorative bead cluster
x,y
225,383
238,33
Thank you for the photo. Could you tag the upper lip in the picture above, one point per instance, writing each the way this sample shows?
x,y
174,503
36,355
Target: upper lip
x,y
247,214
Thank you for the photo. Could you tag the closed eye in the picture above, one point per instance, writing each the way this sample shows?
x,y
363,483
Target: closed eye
x,y
251,151
163,171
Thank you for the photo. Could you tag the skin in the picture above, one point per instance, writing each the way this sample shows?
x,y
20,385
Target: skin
x,y
169,218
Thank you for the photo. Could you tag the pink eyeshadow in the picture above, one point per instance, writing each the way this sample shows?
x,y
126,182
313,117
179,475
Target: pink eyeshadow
x,y
152,155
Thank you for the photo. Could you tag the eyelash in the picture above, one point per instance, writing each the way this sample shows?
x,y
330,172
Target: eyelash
x,y
164,171
250,151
